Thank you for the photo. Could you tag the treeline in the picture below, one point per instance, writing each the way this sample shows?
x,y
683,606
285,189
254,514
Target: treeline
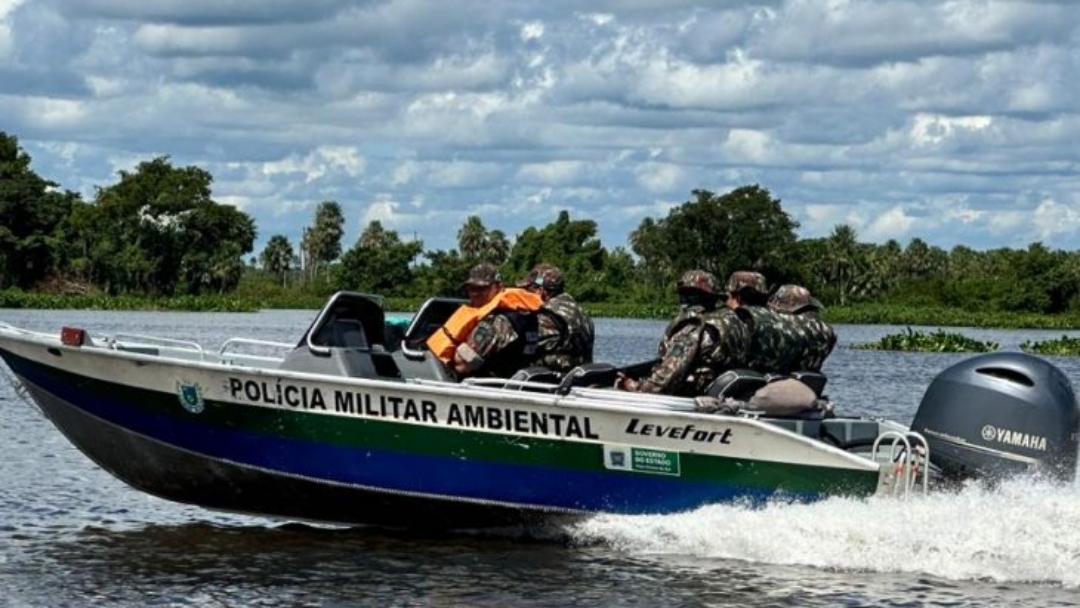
x,y
158,232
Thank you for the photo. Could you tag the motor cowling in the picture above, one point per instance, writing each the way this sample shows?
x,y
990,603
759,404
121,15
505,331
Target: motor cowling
x,y
1001,414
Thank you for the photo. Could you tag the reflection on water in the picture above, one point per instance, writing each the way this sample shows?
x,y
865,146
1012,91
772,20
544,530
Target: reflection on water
x,y
70,535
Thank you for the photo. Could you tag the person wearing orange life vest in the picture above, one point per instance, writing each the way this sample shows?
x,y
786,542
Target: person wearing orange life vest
x,y
495,334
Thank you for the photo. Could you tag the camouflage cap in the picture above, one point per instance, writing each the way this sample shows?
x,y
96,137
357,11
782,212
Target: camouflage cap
x,y
793,299
482,275
545,275
745,280
700,280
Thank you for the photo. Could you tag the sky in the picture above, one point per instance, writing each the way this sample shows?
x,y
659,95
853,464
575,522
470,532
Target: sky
x,y
957,122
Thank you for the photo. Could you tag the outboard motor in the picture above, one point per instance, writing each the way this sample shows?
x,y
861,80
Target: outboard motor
x,y
1000,414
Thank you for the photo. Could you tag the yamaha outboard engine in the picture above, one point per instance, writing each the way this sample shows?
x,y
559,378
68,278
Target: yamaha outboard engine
x,y
999,414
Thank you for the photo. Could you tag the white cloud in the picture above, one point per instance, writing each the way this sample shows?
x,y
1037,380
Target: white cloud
x,y
50,114
1052,219
927,129
894,223
319,163
953,121
748,146
659,177
533,30
554,172
6,42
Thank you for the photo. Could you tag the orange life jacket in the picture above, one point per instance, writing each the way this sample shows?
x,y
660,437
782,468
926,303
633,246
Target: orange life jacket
x,y
445,340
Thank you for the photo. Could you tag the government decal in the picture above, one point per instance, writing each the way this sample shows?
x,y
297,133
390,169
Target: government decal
x,y
190,394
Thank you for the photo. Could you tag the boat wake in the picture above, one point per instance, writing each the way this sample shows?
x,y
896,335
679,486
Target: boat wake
x,y
1022,531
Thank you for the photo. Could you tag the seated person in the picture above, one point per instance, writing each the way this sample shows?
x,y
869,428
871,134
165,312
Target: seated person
x,y
804,309
700,343
567,333
494,334
776,346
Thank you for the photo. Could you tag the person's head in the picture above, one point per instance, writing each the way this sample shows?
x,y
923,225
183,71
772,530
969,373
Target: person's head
x,y
745,287
793,299
545,280
698,288
482,284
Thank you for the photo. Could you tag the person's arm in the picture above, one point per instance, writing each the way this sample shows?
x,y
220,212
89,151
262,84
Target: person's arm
x,y
682,350
491,334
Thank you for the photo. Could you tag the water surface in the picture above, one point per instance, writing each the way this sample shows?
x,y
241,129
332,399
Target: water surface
x,y
71,535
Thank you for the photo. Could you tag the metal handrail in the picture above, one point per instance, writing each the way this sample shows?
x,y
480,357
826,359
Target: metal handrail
x,y
914,459
157,340
254,342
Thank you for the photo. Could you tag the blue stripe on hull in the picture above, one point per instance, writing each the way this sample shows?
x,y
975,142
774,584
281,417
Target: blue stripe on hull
x,y
609,491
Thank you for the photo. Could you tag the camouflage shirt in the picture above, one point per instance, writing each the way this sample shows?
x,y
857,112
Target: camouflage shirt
x,y
819,339
782,343
496,348
698,345
566,334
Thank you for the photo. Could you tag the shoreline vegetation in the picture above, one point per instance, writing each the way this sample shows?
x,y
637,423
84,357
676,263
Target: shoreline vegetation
x,y
854,314
908,340
157,240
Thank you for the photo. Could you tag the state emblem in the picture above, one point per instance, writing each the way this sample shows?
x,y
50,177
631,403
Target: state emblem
x,y
190,395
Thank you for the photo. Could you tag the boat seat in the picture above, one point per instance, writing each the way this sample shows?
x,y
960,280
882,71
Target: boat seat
x,y
351,362
421,365
589,374
743,383
815,380
431,316
342,333
740,384
535,374
346,339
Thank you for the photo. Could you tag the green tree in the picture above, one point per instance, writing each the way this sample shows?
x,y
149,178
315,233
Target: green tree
x,y
844,262
921,261
472,238
32,214
216,238
158,228
276,258
322,242
380,262
648,242
476,243
881,271
743,229
443,273
569,244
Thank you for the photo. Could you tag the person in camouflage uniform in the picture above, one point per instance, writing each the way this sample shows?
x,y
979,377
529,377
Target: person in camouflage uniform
x,y
818,337
502,342
776,342
700,343
566,332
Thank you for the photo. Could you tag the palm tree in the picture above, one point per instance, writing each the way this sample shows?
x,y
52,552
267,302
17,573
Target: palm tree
x,y
322,242
472,238
277,256
843,261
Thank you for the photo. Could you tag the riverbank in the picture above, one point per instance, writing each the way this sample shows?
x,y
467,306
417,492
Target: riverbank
x,y
861,314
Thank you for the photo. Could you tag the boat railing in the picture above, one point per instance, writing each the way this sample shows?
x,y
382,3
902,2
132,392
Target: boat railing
x,y
652,401
908,455
153,345
594,397
511,384
228,352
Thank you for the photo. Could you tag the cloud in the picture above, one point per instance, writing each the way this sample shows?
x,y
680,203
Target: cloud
x,y
952,121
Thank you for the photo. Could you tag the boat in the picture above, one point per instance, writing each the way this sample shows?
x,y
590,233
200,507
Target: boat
x,y
358,424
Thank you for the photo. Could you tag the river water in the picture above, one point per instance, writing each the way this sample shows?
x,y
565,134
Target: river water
x,y
71,535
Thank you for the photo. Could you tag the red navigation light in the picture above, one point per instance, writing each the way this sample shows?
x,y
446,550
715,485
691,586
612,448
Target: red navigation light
x,y
72,336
